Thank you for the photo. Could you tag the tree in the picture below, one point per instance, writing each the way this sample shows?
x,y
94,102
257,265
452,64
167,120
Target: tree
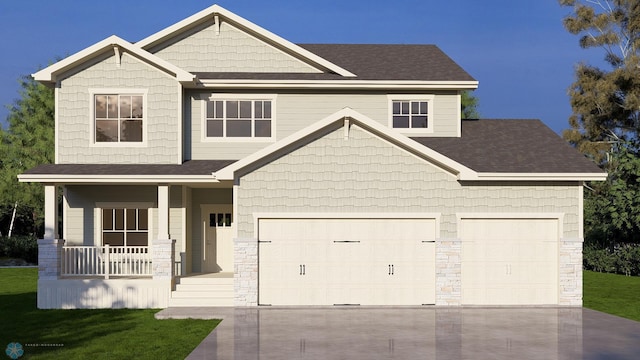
x,y
605,123
28,142
469,105
612,213
605,103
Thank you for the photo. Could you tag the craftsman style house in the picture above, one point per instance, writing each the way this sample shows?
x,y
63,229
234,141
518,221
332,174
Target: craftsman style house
x,y
214,163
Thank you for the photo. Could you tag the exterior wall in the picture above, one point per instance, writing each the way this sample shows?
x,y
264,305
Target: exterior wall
x,y
367,174
231,50
103,294
74,126
80,214
201,197
295,111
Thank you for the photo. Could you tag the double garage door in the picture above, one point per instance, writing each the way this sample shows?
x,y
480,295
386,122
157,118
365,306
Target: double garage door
x,y
392,261
346,261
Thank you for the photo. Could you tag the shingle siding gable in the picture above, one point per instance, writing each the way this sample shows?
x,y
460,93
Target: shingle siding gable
x,y
201,49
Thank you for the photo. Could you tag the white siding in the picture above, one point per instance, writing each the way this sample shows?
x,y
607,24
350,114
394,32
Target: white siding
x,y
232,50
296,111
162,113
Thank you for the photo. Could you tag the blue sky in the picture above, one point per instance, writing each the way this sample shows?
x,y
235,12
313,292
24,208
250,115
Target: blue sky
x,y
517,50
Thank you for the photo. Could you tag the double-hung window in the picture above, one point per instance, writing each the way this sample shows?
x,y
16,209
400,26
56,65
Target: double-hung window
x,y
119,117
125,226
411,113
239,118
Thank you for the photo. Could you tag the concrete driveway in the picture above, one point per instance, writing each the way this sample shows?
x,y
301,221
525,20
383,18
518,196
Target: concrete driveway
x,y
410,333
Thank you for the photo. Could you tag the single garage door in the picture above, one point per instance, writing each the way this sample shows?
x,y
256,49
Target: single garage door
x,y
509,261
359,261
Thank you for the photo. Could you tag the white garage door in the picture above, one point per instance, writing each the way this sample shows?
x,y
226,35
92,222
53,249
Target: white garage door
x,y
509,261
346,261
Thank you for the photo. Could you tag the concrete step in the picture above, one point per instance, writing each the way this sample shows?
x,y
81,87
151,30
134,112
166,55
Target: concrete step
x,y
201,294
200,302
196,280
204,288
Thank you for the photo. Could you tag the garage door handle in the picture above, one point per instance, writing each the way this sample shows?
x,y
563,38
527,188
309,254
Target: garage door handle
x,y
391,270
303,270
346,241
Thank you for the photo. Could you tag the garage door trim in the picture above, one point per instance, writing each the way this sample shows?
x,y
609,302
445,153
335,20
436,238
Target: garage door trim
x,y
523,216
345,215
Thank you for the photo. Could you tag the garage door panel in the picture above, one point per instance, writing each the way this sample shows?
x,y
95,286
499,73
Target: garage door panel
x,y
355,255
509,261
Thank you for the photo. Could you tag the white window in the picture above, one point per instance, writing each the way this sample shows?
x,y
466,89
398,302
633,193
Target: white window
x,y
118,117
411,113
125,226
231,117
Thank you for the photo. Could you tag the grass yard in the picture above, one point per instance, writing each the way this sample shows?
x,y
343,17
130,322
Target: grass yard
x,y
88,334
614,294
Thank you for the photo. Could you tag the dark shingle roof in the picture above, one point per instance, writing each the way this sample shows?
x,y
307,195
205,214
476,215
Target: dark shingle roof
x,y
369,62
511,146
192,167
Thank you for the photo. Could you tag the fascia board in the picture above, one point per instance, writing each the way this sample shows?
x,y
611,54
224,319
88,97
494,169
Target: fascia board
x,y
384,132
115,179
536,177
261,32
48,74
342,84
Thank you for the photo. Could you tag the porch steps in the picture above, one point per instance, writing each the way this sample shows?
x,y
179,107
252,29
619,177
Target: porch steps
x,y
203,290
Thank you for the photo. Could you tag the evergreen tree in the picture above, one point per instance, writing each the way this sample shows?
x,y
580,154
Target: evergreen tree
x,y
469,105
27,142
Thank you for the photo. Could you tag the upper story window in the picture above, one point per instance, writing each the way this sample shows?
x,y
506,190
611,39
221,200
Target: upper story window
x,y
411,113
231,117
119,116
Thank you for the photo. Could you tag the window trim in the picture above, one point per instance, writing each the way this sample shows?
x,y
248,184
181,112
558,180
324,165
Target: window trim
x,y
99,206
118,91
412,97
239,97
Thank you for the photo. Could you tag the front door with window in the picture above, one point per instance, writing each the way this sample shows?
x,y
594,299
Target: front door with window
x,y
217,238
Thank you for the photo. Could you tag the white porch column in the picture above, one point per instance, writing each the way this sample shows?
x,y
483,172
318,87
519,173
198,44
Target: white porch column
x,y
50,212
50,247
163,211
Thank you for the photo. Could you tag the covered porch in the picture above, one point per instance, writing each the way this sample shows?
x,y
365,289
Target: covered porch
x,y
129,241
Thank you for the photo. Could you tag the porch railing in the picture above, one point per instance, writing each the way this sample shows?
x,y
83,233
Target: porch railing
x,y
106,261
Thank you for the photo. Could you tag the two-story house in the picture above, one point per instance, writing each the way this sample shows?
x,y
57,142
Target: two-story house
x,y
215,163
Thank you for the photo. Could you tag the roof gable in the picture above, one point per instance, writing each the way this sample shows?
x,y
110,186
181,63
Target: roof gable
x,y
345,117
111,44
218,15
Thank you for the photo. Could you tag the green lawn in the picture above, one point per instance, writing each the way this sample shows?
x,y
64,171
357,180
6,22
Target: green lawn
x,y
613,294
89,334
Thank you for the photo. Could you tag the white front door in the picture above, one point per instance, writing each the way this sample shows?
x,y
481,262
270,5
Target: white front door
x,y
217,238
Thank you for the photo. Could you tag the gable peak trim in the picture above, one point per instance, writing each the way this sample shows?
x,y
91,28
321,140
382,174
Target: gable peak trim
x,y
118,46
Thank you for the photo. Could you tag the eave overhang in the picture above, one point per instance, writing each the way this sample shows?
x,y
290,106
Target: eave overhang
x,y
338,84
116,179
117,45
